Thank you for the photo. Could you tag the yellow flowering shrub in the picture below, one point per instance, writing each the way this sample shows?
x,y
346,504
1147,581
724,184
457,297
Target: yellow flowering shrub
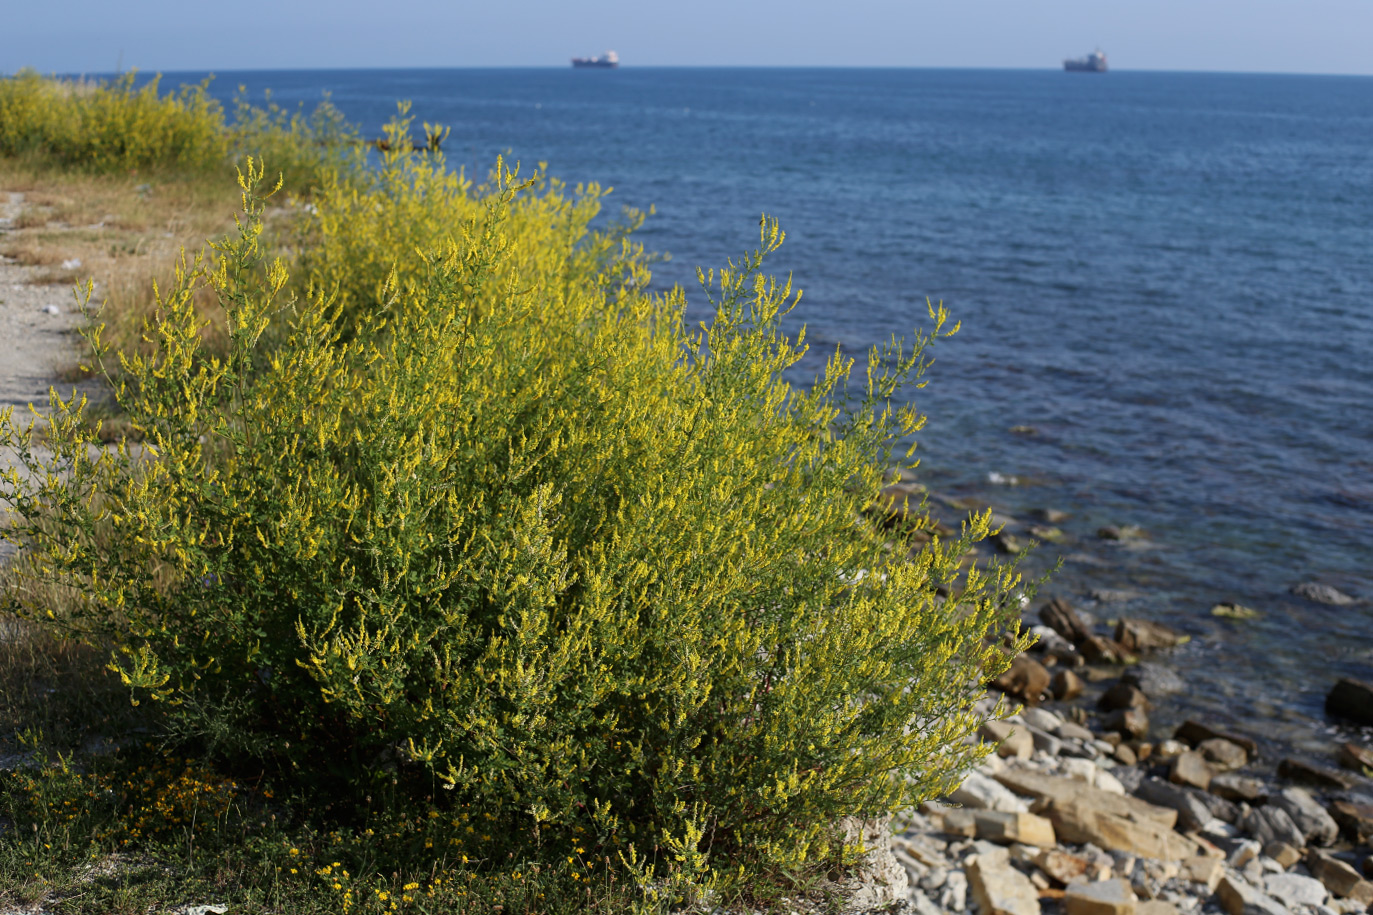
x,y
489,517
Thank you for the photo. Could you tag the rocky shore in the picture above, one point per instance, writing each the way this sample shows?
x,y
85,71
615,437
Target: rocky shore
x,y
1085,809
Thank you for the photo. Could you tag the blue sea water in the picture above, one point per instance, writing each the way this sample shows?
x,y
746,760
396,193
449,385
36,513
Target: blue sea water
x,y
1168,277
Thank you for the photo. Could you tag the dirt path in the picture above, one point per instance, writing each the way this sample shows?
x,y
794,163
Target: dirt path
x,y
37,326
37,334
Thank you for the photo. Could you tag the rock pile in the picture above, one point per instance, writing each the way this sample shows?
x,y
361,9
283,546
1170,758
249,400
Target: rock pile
x,y
1085,811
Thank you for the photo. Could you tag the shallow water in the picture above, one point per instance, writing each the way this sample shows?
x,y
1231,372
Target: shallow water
x,y
1168,276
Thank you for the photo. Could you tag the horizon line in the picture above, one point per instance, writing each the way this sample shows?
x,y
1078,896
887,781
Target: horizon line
x,y
568,67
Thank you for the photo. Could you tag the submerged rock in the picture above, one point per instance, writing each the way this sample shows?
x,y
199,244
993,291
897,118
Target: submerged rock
x,y
1322,594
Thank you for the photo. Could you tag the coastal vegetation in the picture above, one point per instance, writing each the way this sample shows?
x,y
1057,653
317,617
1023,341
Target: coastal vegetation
x,y
422,556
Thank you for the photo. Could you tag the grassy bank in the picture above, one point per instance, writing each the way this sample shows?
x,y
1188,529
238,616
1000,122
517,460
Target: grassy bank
x,y
434,563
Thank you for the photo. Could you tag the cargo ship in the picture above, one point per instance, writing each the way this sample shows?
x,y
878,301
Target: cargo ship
x,y
607,61
1092,63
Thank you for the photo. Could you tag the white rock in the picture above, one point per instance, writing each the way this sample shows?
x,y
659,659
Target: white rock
x,y
1042,718
955,893
1108,782
983,793
1294,889
51,310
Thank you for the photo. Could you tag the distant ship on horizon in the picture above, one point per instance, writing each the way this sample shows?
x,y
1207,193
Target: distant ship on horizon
x,y
607,61
1092,63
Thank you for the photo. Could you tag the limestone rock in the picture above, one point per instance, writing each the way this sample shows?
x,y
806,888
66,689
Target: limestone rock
x,y
1076,820
1351,699
1317,826
1060,866
1203,869
1060,616
1272,824
1026,678
1099,650
1194,732
979,792
1339,878
1190,769
1237,897
1129,722
1042,718
1285,855
1006,827
1353,756
1123,695
1143,635
1050,788
1011,741
1071,730
879,879
1309,773
1294,889
1000,889
1107,897
1234,787
1192,812
1355,819
1066,685
1223,755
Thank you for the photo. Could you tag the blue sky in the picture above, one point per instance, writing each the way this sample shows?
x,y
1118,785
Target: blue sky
x,y
1310,36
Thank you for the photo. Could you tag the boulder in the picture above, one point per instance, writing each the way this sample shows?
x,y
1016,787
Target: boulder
x,y
1060,616
1272,824
1000,889
1355,819
1190,769
1143,635
1006,828
1353,756
1221,809
1223,755
1202,869
1100,650
1322,594
1066,685
1339,877
1192,812
1044,741
1077,820
1351,699
1128,722
1237,897
1286,855
1060,866
1194,732
1026,678
1050,788
1317,826
1295,890
1011,741
1123,695
1237,788
1106,897
979,792
1154,679
1071,730
1041,718
1309,773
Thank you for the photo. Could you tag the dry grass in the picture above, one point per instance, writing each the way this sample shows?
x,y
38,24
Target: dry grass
x,y
123,232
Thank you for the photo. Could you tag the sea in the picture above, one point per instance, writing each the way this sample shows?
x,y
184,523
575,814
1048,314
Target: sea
x,y
1164,283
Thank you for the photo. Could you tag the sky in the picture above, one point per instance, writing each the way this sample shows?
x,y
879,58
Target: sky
x,y
96,36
